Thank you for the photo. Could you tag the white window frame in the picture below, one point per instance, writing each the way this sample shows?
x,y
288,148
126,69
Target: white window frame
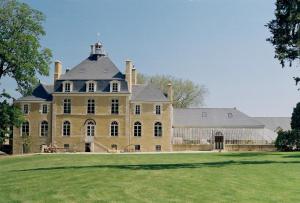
x,y
91,130
63,106
141,130
115,82
41,128
42,108
62,129
110,132
111,106
155,112
154,129
87,106
21,128
28,110
135,109
88,86
64,86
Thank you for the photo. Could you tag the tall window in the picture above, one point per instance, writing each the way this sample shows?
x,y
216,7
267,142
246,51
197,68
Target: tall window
x,y
137,109
114,128
67,87
115,106
44,108
157,129
25,108
115,87
137,128
91,87
66,128
91,106
67,105
90,129
157,109
44,128
25,128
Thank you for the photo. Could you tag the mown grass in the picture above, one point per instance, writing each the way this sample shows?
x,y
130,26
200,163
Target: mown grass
x,y
199,177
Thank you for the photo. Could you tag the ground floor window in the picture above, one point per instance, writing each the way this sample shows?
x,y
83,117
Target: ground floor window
x,y
158,148
66,146
114,147
137,147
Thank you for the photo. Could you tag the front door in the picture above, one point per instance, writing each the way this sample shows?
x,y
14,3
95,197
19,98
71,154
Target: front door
x,y
87,147
219,142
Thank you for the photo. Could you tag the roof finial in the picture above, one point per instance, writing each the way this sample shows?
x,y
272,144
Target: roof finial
x,y
98,37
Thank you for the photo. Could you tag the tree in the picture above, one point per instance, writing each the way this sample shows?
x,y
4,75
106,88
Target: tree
x,y
10,115
285,33
185,92
21,55
295,123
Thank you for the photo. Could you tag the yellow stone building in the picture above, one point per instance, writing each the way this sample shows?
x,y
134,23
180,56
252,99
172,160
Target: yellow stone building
x,y
94,107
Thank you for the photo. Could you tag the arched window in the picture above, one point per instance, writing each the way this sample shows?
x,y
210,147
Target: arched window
x,y
158,129
25,129
137,128
91,106
66,128
114,128
44,128
67,105
90,128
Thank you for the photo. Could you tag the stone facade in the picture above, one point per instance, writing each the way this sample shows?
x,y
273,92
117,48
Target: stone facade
x,y
79,140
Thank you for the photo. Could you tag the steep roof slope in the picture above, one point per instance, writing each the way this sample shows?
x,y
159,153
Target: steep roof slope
x,y
40,93
147,93
273,123
94,68
213,117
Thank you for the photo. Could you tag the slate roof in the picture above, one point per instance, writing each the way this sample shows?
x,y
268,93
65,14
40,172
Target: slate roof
x,y
273,123
94,68
215,117
147,92
40,93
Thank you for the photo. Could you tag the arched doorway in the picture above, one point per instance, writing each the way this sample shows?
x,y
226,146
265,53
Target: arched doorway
x,y
219,141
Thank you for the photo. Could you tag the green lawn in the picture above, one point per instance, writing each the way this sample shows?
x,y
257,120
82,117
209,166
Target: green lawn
x,y
159,178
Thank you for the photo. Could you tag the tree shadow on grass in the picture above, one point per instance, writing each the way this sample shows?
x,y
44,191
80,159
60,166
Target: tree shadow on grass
x,y
292,156
250,154
163,166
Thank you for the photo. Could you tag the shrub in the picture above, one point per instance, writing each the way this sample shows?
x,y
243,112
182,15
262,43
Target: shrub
x,y
288,140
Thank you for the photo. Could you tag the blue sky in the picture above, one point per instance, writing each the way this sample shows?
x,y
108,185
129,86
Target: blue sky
x,y
220,44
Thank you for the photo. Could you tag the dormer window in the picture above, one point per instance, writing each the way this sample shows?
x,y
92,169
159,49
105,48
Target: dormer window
x,y
229,115
67,87
115,86
91,86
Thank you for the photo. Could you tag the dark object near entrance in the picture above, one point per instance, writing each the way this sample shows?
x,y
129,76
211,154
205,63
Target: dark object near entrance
x,y
219,142
87,147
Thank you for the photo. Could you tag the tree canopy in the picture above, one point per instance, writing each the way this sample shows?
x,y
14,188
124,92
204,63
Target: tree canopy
x,y
285,31
22,57
21,54
185,92
295,123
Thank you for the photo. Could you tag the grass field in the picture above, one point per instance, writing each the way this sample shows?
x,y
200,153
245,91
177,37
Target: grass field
x,y
198,177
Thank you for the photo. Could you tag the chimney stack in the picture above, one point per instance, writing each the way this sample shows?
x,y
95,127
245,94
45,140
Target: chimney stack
x,y
134,76
170,91
57,70
92,50
128,74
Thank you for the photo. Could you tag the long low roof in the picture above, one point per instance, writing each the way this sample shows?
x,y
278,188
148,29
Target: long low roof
x,y
275,123
213,117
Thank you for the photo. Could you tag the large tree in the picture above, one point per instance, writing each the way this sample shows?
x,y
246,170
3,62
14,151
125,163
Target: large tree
x,y
285,33
21,54
22,57
185,92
